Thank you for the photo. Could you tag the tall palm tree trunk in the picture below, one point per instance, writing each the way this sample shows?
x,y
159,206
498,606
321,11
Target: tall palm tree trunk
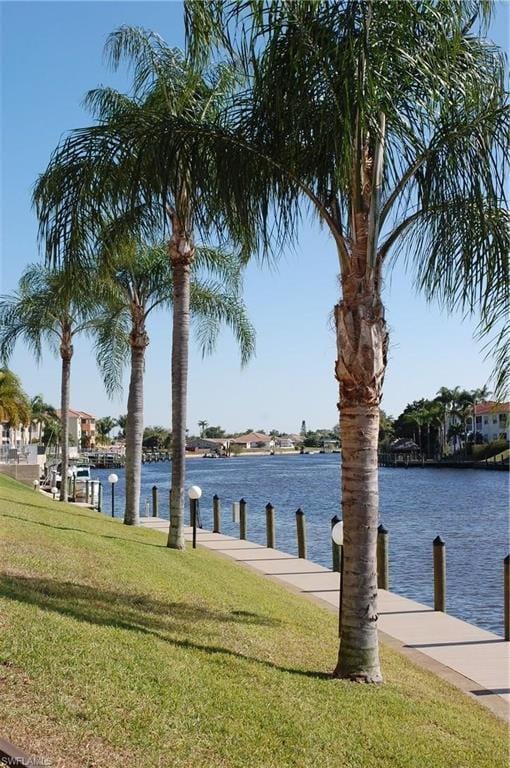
x,y
181,252
362,342
66,353
134,426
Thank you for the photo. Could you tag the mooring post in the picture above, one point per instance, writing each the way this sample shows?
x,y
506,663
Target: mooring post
x,y
87,491
383,568
335,548
216,514
301,533
507,596
242,519
74,487
270,526
100,497
439,550
154,501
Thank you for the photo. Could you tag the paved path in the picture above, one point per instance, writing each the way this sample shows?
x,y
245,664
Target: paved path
x,y
475,660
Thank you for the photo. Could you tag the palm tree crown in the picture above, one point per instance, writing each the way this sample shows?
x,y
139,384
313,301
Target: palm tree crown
x,y
14,404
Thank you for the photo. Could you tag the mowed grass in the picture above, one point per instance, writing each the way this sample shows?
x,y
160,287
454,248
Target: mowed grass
x,y
116,651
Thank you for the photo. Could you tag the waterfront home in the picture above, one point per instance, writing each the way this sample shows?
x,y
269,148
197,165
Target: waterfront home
x,y
492,421
254,441
82,428
285,441
214,444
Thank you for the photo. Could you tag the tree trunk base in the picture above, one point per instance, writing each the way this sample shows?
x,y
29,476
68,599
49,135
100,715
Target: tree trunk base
x,y
372,679
181,546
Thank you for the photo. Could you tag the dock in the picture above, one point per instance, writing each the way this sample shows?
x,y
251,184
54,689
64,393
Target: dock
x,y
474,660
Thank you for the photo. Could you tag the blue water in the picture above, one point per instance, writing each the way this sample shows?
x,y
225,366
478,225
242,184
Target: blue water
x,y
467,508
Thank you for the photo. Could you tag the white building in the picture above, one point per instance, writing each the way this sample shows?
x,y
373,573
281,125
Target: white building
x,y
492,421
14,437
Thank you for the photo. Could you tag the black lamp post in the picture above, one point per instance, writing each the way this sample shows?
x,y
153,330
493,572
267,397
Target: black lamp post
x,y
337,534
113,479
194,494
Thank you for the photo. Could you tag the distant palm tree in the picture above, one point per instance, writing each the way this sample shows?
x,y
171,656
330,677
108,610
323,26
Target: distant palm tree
x,y
121,423
52,306
202,424
118,168
14,404
139,278
42,414
105,425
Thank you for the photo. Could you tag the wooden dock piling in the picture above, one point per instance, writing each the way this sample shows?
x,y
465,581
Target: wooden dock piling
x,y
439,550
242,519
506,591
383,569
270,526
301,533
216,514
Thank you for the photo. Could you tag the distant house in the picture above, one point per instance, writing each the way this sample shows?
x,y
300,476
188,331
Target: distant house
x,y
213,444
254,440
14,437
328,444
492,421
82,428
285,441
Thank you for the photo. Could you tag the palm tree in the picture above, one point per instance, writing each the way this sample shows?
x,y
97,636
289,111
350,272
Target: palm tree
x,y
419,418
117,170
42,414
468,402
139,278
121,423
202,424
51,306
390,121
104,426
14,404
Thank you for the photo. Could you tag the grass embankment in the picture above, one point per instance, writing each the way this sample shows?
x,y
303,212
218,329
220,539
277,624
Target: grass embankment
x,y
116,651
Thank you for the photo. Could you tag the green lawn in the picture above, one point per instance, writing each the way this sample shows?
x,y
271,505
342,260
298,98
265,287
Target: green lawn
x,y
116,651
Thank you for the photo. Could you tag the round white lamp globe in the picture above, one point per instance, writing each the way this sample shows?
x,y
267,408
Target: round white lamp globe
x,y
337,533
70,473
54,490
112,478
194,492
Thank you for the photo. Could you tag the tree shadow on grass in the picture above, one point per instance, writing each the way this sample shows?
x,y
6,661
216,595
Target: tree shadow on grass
x,y
140,613
128,539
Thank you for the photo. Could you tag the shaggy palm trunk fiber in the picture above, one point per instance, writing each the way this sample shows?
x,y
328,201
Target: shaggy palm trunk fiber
x,y
362,343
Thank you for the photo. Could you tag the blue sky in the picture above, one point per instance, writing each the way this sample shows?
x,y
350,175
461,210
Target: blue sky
x,y
51,55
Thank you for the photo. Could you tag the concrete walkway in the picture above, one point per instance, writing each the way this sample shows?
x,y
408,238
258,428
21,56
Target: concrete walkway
x,y
476,661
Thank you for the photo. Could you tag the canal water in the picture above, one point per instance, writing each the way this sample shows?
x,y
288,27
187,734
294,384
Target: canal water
x,y
467,508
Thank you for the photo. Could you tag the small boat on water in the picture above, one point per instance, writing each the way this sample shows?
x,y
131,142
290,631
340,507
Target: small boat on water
x,y
53,476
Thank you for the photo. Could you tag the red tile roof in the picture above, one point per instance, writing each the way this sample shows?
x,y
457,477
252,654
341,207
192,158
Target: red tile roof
x,y
492,407
77,414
